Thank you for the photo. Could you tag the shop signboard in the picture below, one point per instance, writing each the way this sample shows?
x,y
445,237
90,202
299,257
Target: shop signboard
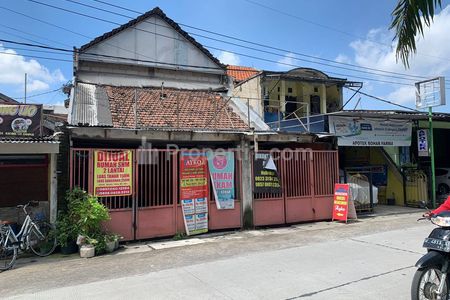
x,y
20,120
194,191
113,173
422,142
370,132
266,175
343,206
221,170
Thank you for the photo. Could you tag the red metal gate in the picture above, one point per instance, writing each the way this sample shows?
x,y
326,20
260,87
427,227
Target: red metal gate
x,y
120,207
154,209
307,180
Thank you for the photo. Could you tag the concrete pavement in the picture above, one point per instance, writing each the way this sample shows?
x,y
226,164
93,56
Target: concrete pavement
x,y
372,259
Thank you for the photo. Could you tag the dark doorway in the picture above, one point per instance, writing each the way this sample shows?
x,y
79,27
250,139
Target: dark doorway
x,y
315,104
291,106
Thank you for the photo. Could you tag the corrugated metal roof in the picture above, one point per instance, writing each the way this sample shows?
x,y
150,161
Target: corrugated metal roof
x,y
90,106
33,140
398,114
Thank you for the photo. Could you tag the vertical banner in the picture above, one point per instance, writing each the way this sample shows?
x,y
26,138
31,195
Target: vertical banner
x,y
221,170
341,201
113,173
266,176
422,142
194,191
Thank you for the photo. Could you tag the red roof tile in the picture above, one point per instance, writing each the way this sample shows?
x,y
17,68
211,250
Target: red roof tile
x,y
196,109
240,73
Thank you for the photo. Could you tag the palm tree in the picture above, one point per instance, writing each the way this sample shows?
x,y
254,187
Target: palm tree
x,y
408,18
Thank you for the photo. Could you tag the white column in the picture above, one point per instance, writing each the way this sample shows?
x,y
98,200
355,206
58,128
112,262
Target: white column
x,y
53,188
323,99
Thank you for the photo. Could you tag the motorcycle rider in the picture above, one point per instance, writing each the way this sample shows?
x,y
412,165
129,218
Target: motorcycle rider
x,y
443,207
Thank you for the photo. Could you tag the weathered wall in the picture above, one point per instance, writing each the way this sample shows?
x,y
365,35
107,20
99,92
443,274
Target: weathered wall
x,y
250,92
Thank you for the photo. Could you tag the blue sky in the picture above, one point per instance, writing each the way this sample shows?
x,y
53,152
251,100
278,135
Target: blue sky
x,y
350,31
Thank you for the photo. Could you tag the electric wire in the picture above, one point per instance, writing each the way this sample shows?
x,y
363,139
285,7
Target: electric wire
x,y
192,66
220,49
252,48
246,41
334,29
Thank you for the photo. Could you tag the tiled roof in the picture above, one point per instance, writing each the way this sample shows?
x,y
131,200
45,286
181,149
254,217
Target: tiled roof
x,y
172,108
156,11
240,73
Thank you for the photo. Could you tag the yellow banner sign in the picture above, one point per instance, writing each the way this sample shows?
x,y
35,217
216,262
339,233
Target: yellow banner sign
x,y
113,173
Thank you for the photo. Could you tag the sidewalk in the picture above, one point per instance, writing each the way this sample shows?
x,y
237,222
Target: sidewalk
x,y
380,212
135,260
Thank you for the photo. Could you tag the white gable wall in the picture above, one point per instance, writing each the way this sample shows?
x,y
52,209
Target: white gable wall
x,y
167,46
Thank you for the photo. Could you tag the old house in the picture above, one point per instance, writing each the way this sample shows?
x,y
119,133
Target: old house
x,y
147,89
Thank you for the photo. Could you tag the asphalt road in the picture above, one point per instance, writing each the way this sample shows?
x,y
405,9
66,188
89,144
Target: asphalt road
x,y
371,259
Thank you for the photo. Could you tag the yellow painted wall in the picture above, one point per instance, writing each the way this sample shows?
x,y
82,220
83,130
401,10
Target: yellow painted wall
x,y
395,183
253,89
372,156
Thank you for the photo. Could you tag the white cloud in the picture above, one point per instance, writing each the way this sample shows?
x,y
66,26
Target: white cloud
x,y
341,58
287,62
37,85
13,67
378,51
229,58
403,95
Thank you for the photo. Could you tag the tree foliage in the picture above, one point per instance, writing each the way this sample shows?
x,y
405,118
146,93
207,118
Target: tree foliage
x,y
408,19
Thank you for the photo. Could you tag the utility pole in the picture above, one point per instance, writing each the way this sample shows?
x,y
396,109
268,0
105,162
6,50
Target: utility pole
x,y
25,98
433,170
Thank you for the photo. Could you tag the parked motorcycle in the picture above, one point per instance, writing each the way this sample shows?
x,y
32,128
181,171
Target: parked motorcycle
x,y
432,280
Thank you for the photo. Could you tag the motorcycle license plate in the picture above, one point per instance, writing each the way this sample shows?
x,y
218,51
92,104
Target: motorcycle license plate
x,y
436,244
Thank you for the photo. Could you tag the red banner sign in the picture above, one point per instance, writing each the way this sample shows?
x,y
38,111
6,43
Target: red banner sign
x,y
341,199
194,191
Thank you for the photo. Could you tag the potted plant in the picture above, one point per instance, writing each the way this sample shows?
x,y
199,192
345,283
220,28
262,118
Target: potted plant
x,y
83,222
66,235
110,240
87,250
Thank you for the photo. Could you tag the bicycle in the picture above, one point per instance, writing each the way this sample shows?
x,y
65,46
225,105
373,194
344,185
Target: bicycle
x,y
39,237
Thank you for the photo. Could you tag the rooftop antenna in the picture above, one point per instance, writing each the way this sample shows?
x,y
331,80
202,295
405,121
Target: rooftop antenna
x,y
162,95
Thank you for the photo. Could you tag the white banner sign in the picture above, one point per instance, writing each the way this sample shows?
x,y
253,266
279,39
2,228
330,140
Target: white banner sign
x,y
370,132
422,142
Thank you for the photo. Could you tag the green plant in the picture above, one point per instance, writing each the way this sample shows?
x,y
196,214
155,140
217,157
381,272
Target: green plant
x,y
65,230
179,236
90,214
84,216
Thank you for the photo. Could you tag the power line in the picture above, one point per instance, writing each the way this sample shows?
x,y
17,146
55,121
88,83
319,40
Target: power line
x,y
185,65
40,94
253,43
331,28
21,37
35,35
115,23
277,62
37,57
383,100
67,30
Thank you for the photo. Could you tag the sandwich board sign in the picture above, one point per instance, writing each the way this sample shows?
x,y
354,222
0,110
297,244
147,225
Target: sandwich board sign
x,y
343,206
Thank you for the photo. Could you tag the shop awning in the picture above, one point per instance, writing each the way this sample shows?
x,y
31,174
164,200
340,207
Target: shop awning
x,y
43,145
